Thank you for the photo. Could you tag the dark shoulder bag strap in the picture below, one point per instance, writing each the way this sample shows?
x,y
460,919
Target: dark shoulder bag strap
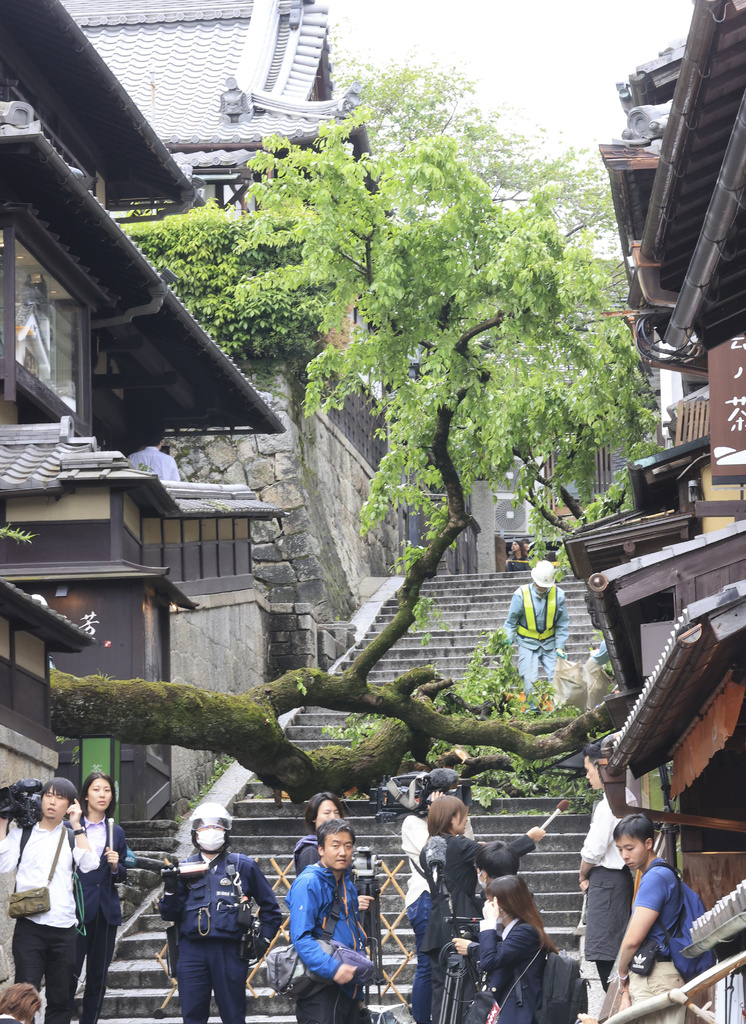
x,y
334,911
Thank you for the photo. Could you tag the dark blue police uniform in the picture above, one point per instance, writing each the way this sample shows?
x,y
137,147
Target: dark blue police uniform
x,y
206,909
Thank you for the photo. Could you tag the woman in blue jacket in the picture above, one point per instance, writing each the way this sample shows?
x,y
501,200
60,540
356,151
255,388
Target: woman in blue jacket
x,y
513,947
101,907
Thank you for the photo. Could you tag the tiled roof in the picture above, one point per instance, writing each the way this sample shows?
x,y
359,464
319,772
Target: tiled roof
x,y
174,57
58,632
219,499
47,457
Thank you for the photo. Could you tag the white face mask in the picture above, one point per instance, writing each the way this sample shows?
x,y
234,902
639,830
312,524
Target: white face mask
x,y
210,839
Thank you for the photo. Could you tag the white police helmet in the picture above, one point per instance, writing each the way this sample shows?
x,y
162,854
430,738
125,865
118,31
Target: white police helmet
x,y
543,574
210,814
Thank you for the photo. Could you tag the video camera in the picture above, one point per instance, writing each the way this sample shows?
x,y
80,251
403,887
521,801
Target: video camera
x,y
410,793
21,802
364,863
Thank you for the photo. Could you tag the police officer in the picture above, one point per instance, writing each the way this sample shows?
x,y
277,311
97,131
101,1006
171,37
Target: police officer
x,y
538,620
206,906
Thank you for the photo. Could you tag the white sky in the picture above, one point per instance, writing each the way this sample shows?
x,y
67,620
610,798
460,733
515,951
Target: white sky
x,y
558,60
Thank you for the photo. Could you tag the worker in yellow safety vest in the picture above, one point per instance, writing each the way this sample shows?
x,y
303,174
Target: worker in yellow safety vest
x,y
538,620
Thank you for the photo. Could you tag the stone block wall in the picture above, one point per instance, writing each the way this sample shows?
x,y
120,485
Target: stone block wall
x,y
20,758
223,645
315,555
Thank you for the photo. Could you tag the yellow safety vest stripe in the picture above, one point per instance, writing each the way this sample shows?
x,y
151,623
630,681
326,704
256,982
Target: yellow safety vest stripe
x,y
530,630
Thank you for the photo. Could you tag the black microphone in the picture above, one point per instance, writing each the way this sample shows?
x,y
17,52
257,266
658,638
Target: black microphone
x,y
442,779
435,857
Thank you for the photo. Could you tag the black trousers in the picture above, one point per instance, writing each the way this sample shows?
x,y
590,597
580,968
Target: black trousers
x,y
40,951
96,948
328,1006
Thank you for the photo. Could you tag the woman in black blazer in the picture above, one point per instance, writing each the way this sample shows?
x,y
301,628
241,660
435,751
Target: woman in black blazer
x,y
101,907
513,948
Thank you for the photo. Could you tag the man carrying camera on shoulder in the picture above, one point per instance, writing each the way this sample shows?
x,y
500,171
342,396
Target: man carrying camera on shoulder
x,y
320,893
46,856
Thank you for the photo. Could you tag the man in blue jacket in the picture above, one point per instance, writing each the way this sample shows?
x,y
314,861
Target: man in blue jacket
x,y
309,902
205,902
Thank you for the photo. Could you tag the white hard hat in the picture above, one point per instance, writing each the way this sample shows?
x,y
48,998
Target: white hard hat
x,y
543,574
210,814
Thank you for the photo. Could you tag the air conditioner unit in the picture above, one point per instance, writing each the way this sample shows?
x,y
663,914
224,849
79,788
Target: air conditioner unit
x,y
510,519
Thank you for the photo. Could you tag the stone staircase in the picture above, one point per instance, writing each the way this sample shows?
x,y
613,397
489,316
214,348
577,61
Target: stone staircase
x,y
470,606
138,985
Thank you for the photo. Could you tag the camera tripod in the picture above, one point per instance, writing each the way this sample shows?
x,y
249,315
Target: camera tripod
x,y
461,984
366,884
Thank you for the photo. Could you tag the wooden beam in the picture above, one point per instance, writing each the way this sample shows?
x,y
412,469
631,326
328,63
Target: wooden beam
x,y
719,508
132,381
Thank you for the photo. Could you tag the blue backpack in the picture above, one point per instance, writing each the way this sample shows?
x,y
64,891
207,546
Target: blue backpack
x,y
692,907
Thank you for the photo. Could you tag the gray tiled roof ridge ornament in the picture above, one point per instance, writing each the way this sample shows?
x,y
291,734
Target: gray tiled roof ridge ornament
x,y
235,106
17,114
646,123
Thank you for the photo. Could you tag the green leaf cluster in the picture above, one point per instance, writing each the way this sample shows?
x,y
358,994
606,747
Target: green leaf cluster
x,y
208,251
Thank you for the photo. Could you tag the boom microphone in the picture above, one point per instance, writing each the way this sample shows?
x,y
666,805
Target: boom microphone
x,y
442,779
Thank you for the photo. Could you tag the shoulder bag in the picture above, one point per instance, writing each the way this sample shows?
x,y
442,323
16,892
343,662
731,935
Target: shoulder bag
x,y
285,971
34,901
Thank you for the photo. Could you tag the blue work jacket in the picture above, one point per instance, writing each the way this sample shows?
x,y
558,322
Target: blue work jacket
x,y
309,901
517,617
206,907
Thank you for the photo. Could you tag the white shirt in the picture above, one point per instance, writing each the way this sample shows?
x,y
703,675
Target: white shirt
x,y
414,835
36,863
96,832
151,458
599,847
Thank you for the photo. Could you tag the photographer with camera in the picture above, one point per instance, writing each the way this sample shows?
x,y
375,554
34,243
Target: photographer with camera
x,y
209,896
325,891
448,862
45,855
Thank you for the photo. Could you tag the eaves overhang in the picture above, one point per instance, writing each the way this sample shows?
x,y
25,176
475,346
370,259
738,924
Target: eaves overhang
x,y
31,170
706,644
138,167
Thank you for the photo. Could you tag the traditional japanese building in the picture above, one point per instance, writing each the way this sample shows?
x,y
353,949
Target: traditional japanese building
x,y
97,347
668,580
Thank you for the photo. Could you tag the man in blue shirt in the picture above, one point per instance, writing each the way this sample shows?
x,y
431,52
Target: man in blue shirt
x,y
309,902
538,620
656,906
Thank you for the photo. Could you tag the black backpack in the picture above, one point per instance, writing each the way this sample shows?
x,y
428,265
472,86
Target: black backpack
x,y
564,992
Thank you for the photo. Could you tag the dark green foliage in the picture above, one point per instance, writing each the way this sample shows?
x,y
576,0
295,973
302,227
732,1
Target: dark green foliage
x,y
207,250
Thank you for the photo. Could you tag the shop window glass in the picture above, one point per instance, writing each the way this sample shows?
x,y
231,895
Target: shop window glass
x,y
48,328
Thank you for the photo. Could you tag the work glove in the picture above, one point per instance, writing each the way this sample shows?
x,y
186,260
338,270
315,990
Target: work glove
x,y
561,654
170,880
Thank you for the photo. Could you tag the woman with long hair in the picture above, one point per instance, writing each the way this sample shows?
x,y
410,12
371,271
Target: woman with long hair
x,y
513,947
320,808
102,909
20,1003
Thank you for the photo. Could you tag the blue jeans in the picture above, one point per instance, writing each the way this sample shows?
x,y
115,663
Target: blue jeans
x,y
529,662
419,914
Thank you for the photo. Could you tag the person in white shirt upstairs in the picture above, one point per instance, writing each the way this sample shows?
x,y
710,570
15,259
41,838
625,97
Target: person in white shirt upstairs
x,y
604,877
150,458
44,944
